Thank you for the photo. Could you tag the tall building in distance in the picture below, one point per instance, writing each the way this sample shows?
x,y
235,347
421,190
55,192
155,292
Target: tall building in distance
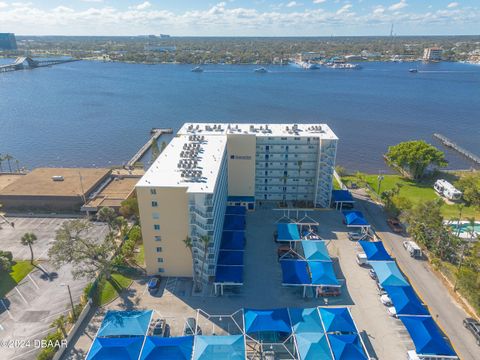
x,y
186,190
8,41
432,54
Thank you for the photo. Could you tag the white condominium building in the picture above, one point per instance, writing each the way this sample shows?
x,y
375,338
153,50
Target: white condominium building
x,y
432,54
185,191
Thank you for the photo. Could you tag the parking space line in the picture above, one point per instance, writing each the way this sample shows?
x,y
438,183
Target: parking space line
x,y
34,283
19,293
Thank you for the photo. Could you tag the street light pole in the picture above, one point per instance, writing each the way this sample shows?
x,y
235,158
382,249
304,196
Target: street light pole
x,y
71,300
380,179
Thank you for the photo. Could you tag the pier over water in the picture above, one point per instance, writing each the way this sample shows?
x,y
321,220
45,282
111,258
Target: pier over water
x,y
451,144
25,62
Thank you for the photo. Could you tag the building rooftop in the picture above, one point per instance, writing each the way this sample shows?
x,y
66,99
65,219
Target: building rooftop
x,y
188,161
112,195
8,179
39,182
267,130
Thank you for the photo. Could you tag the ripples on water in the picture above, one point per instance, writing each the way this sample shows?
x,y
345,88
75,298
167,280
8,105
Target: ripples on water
x,y
94,113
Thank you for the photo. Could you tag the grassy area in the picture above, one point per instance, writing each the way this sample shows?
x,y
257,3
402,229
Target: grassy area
x,y
416,191
20,269
140,256
110,289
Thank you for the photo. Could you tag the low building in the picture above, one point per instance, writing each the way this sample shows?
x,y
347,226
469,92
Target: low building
x,y
432,54
52,189
119,188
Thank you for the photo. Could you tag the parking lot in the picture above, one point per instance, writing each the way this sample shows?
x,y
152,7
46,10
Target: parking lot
x,y
27,311
385,337
43,228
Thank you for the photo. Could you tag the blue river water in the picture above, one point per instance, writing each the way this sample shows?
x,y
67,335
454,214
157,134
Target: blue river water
x,y
99,114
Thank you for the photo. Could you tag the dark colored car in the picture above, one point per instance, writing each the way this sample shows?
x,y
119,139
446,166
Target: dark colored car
x,y
153,284
328,291
372,274
474,327
395,225
282,250
160,327
189,328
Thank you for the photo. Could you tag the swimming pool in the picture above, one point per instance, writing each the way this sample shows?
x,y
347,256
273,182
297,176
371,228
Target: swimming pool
x,y
465,229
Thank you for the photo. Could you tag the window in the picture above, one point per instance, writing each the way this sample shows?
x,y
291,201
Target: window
x,y
155,216
266,180
160,260
154,204
157,238
283,138
153,191
156,227
266,172
161,270
297,138
159,249
211,267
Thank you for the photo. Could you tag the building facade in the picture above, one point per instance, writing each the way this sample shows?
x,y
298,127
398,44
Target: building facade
x,y
184,193
432,54
8,41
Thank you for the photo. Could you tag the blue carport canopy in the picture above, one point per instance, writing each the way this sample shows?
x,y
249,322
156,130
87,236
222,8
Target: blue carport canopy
x,y
313,346
116,348
375,251
405,300
230,347
342,196
354,219
230,257
388,273
322,273
315,250
233,240
236,210
234,222
295,272
426,336
172,348
288,232
276,320
305,320
347,347
125,323
229,274
337,320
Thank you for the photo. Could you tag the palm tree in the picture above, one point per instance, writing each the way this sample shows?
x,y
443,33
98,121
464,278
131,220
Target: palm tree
x,y
59,323
29,239
17,162
205,240
8,157
1,161
460,210
189,245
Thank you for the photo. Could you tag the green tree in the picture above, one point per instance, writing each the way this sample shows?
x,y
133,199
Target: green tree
x,y
28,239
5,264
415,157
470,186
8,157
59,324
155,149
107,215
88,256
129,208
189,245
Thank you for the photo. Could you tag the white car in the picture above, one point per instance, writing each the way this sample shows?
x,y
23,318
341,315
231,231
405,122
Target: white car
x,y
392,312
385,299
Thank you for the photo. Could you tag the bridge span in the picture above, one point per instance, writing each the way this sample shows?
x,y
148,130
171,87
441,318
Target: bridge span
x,y
26,62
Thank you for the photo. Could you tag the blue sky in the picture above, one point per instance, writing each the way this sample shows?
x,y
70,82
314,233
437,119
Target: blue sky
x,y
240,17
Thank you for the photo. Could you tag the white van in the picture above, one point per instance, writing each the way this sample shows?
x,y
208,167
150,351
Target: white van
x,y
447,190
362,259
413,249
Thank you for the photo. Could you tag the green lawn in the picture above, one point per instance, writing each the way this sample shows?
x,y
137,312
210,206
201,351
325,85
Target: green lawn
x,y
110,289
416,192
140,256
20,269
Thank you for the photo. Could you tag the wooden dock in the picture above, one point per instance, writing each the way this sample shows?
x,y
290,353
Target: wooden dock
x,y
452,145
156,133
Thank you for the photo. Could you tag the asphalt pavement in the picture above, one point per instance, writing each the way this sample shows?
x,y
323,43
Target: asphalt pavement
x,y
443,307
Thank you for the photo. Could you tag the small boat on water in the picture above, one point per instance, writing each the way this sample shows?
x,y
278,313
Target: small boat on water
x,y
413,70
197,69
260,70
344,66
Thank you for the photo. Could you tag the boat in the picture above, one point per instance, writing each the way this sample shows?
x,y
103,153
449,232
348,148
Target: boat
x,y
344,66
261,70
197,69
413,70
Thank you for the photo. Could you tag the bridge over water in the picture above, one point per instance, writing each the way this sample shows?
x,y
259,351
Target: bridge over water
x,y
25,62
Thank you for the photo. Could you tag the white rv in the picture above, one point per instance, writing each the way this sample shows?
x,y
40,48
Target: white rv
x,y
447,190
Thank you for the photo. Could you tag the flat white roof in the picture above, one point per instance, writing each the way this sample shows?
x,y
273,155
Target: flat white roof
x,y
197,160
260,129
